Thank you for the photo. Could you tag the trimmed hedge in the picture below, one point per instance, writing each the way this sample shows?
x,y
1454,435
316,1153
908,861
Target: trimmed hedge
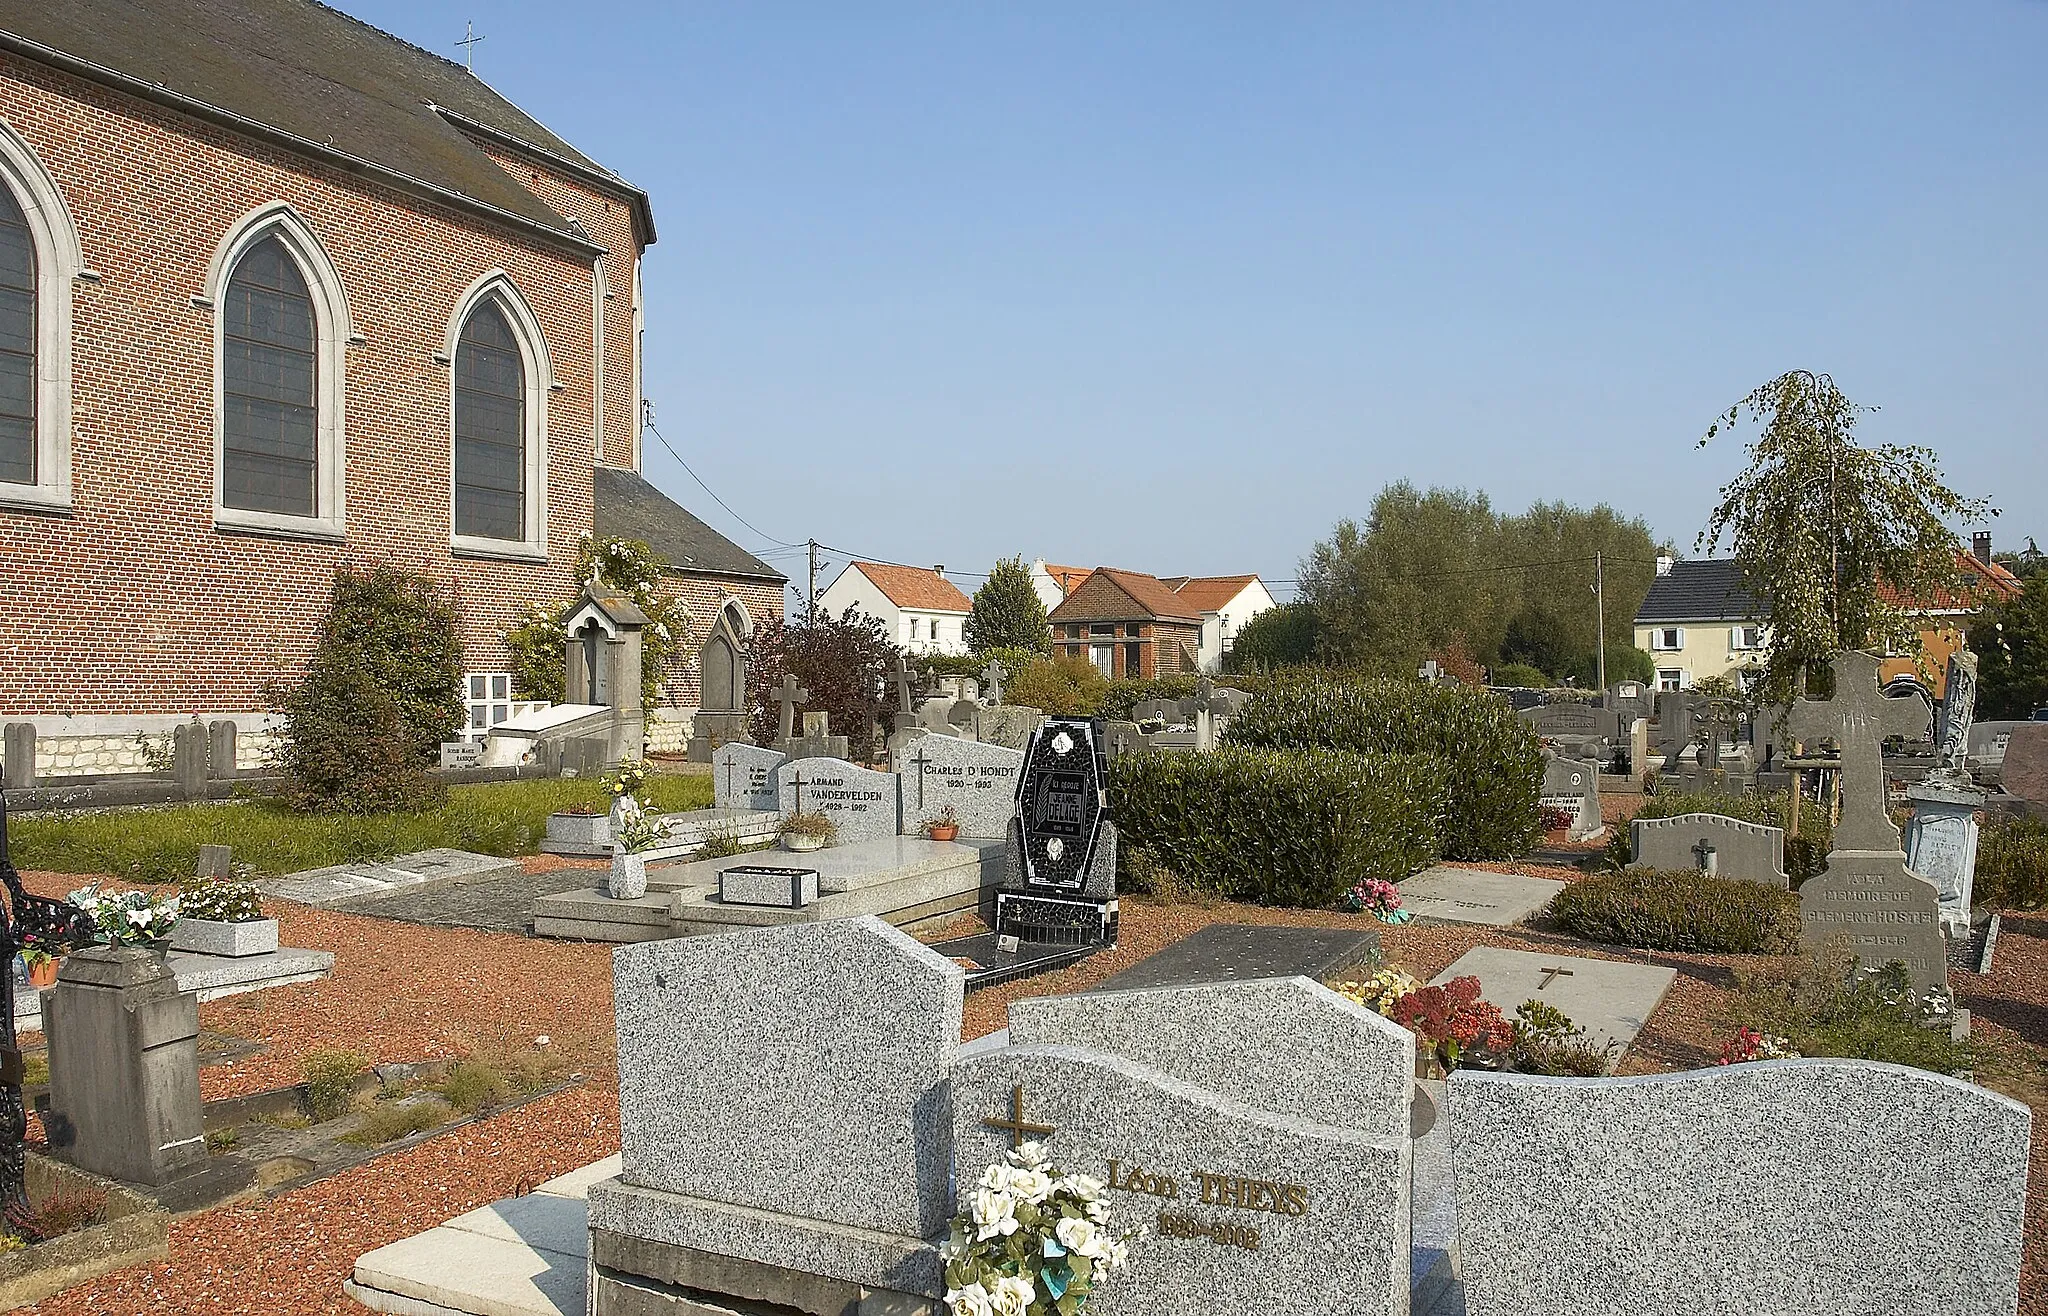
x,y
1126,693
1806,855
1276,827
1683,911
1493,758
2012,863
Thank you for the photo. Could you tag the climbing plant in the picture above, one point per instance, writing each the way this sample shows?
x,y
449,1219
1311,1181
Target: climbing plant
x,y
634,569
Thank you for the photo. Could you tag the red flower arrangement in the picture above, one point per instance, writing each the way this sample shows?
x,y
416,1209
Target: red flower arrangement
x,y
1454,1022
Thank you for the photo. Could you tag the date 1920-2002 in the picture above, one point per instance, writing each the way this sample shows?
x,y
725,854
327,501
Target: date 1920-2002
x,y
1223,1233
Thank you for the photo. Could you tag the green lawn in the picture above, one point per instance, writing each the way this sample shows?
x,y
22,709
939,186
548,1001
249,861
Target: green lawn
x,y
162,844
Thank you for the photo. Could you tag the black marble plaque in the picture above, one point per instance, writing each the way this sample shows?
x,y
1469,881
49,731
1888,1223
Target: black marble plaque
x,y
1061,802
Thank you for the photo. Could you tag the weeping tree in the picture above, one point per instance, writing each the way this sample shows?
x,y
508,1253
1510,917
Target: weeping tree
x,y
1835,538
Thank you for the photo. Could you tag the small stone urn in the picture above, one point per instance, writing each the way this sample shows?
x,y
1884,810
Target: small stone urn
x,y
629,875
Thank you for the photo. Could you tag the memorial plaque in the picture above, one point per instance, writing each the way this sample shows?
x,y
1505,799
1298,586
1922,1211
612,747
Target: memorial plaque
x,y
862,803
1061,803
462,754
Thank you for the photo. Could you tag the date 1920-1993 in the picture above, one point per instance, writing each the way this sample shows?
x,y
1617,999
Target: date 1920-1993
x,y
1222,1233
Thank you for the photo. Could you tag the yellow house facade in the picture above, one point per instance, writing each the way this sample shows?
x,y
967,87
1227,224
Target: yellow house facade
x,y
1698,622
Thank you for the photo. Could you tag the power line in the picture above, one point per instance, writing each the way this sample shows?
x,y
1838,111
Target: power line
x,y
779,543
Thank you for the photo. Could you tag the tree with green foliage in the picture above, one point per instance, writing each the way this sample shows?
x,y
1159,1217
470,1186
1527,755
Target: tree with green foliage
x,y
847,663
1008,614
2011,643
381,692
1063,686
1284,635
1551,555
1831,535
634,569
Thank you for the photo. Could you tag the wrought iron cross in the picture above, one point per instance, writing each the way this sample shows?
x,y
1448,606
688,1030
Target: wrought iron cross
x,y
48,925
1550,973
1016,1126
920,760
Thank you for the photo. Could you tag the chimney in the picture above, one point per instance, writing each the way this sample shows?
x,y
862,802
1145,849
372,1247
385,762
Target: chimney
x,y
1980,546
1664,561
940,571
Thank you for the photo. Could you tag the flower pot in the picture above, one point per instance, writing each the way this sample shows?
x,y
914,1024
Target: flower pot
x,y
802,844
629,876
43,975
943,832
205,936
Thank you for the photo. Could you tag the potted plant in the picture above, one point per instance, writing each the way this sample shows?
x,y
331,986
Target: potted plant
x,y
127,918
222,916
945,826
807,831
41,964
630,843
1454,1028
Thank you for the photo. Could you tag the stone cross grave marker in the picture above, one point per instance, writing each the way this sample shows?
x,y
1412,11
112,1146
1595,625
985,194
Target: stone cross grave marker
x,y
977,781
1858,719
904,705
1941,839
789,696
1205,705
861,802
1958,710
743,776
992,678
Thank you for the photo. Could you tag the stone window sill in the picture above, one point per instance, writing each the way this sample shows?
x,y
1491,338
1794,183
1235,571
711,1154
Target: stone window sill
x,y
270,525
35,498
497,550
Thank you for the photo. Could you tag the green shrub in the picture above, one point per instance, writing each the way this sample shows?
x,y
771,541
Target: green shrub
x,y
1519,674
1832,1008
389,1121
1126,693
1278,827
1682,911
1548,1042
1493,759
382,691
2012,863
1806,855
1061,686
471,1087
331,1080
632,568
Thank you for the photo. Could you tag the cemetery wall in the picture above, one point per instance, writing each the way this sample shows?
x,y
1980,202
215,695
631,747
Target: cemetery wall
x,y
178,614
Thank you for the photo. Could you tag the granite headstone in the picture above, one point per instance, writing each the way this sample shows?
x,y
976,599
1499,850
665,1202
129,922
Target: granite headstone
x,y
1725,847
977,782
861,802
743,776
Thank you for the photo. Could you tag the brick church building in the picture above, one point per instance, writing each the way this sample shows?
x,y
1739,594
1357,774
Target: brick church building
x,y
278,292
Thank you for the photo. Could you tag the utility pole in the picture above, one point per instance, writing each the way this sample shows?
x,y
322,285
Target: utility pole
x,y
1600,621
811,612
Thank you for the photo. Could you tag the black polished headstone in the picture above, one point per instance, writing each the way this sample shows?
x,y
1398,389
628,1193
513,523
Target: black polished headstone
x,y
1061,803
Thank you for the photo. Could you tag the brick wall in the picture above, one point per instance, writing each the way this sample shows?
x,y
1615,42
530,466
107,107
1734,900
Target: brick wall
x,y
705,595
134,602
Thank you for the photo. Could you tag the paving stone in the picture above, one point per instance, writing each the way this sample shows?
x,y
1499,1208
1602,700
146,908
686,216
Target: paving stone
x,y
1473,895
331,886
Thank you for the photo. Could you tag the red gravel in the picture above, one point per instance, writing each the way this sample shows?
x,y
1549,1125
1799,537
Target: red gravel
x,y
407,992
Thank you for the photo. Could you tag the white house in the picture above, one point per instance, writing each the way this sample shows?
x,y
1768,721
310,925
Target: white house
x,y
1054,582
925,612
1226,604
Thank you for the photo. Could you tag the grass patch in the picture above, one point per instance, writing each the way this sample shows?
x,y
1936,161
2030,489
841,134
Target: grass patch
x,y
473,1088
162,844
388,1121
35,1072
331,1081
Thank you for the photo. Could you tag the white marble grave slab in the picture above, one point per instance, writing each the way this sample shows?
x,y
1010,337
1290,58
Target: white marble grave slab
x,y
1473,895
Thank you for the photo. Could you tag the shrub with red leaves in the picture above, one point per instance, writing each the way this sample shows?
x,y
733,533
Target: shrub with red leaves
x,y
1454,1022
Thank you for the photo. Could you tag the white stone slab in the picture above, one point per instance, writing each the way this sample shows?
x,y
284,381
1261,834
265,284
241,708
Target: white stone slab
x,y
743,776
1821,1187
861,802
1473,895
331,886
978,782
1611,1000
212,977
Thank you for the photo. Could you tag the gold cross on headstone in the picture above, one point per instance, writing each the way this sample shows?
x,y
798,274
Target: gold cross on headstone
x,y
1016,1126
1550,973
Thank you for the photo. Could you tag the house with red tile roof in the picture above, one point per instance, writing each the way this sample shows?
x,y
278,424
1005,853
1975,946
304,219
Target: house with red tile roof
x,y
925,612
1054,582
1226,604
1128,624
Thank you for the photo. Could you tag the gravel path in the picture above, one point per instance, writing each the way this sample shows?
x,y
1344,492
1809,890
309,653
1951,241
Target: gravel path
x,y
410,992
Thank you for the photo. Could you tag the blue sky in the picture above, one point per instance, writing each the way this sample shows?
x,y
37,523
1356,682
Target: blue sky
x,y
1176,286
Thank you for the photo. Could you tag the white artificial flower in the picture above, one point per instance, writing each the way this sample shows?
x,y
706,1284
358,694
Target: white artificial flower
x,y
970,1301
1034,1186
996,1178
1031,1156
1013,1296
139,918
1082,1238
1084,1187
996,1213
1119,1255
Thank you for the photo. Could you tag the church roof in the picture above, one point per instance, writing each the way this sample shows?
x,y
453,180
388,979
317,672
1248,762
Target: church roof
x,y
625,506
331,86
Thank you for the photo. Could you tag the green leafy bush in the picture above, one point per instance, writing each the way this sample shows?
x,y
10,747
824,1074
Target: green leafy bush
x,y
1492,758
471,1087
846,663
1682,911
2012,863
634,569
1829,1007
1806,855
331,1080
1061,686
1279,827
1519,674
382,691
389,1121
1548,1042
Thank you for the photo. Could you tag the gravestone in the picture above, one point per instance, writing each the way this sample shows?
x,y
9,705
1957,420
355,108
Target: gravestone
x,y
216,861
1675,728
1475,895
1941,839
1986,757
18,756
124,1066
603,632
936,715
787,696
1629,700
1569,721
1574,785
1826,1187
462,754
220,748
1007,725
1234,952
1255,1193
1120,738
1060,856
785,1130
2025,767
743,776
1610,999
992,678
978,782
1714,844
1868,895
1638,748
861,802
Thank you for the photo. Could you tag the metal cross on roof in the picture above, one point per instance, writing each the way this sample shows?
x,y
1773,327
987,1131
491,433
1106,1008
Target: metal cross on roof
x,y
1858,719
468,44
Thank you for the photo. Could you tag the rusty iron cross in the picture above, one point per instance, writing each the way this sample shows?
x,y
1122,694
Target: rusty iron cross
x,y
1016,1126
